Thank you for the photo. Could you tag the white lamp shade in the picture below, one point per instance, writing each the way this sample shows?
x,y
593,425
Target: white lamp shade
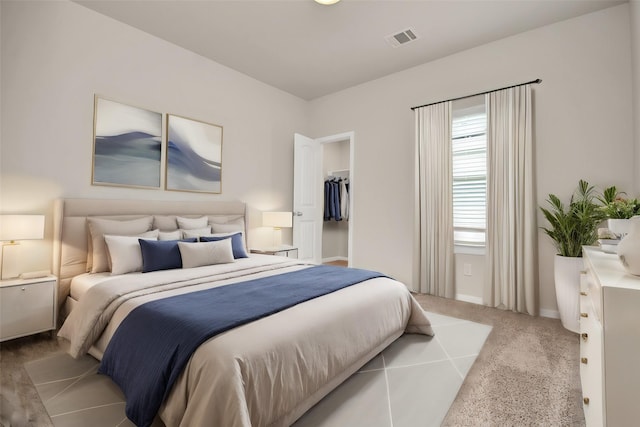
x,y
21,227
277,219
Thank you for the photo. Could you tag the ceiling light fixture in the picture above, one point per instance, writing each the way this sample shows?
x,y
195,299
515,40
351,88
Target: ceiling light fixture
x,y
327,2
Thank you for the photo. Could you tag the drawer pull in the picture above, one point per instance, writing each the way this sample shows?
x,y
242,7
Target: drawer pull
x,y
586,400
584,315
583,360
22,288
583,293
584,336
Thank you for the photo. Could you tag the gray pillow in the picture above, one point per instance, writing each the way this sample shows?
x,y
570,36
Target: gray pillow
x,y
97,255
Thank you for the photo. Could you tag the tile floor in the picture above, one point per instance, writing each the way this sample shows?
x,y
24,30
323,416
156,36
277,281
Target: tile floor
x,y
412,382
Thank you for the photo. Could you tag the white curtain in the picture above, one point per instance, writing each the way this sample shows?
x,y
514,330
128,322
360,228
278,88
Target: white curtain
x,y
511,274
433,262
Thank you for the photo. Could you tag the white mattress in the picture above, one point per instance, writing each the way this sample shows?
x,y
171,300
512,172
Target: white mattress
x,y
83,282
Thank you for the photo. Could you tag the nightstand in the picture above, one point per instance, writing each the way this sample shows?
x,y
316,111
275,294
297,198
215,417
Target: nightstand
x,y
27,306
282,250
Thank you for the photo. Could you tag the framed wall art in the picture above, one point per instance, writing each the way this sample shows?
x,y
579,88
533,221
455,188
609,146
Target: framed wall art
x,y
194,155
127,145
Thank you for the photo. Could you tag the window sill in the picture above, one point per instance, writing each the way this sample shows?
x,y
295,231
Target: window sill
x,y
469,250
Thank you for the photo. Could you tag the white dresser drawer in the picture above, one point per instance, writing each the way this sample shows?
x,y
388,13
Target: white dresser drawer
x,y
27,309
591,364
591,286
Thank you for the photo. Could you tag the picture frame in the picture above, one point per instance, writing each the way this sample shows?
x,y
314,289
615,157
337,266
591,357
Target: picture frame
x,y
127,145
194,155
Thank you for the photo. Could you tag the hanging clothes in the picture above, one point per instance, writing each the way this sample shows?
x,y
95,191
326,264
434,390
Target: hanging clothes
x,y
332,199
327,200
344,199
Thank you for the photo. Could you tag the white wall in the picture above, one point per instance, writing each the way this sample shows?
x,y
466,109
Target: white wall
x,y
583,126
56,55
635,56
469,283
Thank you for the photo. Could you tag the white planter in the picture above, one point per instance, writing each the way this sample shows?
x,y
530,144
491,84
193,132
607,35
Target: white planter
x,y
619,226
567,280
629,248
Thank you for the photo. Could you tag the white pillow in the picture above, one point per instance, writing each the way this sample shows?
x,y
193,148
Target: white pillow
x,y
205,253
170,235
165,222
192,223
187,234
244,247
97,259
125,253
237,224
227,228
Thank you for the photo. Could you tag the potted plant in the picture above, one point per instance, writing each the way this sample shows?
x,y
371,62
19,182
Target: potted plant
x,y
618,210
571,227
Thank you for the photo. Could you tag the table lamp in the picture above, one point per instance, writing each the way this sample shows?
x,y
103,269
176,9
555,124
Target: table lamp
x,y
277,220
12,229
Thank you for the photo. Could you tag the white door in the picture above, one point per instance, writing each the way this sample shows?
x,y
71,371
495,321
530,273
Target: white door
x,y
307,198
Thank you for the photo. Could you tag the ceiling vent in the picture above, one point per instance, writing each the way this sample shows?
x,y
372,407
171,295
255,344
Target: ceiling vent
x,y
403,37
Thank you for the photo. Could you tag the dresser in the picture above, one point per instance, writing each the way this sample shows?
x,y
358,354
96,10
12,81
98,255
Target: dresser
x,y
609,341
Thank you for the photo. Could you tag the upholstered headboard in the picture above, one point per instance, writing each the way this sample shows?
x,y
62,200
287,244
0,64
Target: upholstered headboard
x,y
71,232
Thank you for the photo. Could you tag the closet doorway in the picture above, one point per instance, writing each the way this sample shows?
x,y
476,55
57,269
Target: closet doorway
x,y
316,161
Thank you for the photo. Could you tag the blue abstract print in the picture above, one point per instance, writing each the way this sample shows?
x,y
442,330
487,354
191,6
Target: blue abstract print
x,y
127,145
194,155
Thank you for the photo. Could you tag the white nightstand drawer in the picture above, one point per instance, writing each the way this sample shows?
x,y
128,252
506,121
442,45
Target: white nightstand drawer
x,y
26,309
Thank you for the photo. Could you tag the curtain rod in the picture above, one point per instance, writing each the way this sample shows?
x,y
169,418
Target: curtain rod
x,y
536,81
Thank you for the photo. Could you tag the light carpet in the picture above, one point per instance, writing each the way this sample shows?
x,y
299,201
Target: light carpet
x,y
412,382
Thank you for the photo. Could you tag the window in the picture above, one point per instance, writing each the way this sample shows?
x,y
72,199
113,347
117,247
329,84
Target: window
x,y
469,155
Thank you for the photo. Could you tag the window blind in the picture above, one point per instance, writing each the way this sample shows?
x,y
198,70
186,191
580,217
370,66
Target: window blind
x,y
469,156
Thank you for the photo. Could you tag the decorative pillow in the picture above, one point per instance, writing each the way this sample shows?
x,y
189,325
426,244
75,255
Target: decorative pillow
x,y
165,222
153,234
205,253
237,243
220,226
192,223
227,228
161,254
97,258
170,235
124,252
187,234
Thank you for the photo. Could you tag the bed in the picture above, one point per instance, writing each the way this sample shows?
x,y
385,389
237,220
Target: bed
x,y
266,372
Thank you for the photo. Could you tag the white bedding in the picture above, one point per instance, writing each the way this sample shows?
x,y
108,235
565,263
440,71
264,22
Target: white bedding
x,y
265,373
83,282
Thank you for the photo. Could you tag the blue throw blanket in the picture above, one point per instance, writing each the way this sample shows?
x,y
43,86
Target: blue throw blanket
x,y
156,340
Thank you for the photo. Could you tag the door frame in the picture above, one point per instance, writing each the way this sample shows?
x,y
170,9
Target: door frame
x,y
345,136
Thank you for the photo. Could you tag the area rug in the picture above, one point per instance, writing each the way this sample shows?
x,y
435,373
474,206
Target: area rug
x,y
412,382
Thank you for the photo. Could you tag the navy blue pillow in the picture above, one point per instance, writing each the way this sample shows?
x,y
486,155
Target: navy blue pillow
x,y
161,254
236,243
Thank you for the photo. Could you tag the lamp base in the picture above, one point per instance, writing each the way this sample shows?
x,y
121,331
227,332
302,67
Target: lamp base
x,y
277,237
10,261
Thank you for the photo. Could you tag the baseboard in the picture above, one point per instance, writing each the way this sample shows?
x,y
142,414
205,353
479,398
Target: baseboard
x,y
335,258
469,298
553,314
